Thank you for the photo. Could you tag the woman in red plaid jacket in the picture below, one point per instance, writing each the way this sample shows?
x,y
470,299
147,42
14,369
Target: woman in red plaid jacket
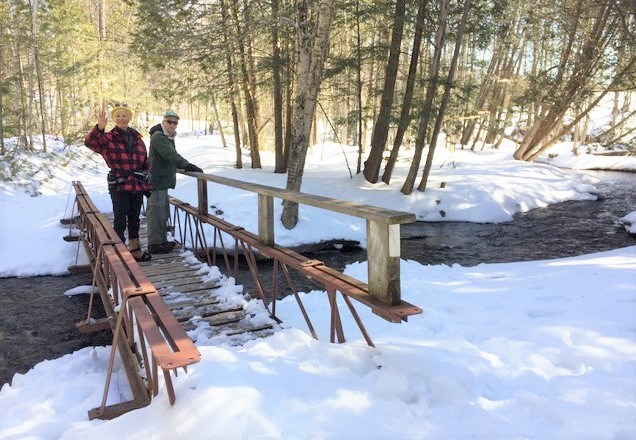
x,y
125,154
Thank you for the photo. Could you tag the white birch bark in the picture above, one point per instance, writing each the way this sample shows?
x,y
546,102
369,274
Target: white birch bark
x,y
312,51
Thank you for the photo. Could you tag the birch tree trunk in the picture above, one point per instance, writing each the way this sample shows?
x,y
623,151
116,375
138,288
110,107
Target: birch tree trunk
x,y
312,51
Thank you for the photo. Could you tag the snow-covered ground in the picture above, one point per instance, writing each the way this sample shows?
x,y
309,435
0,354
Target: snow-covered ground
x,y
539,350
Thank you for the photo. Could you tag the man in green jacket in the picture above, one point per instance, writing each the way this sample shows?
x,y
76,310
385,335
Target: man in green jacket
x,y
164,161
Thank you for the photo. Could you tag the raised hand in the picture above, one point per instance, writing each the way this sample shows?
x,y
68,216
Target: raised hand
x,y
101,119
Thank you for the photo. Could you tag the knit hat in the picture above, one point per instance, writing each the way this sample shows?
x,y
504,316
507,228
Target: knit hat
x,y
170,114
121,107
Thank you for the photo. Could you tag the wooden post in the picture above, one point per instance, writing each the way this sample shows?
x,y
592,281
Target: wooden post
x,y
266,219
383,260
202,186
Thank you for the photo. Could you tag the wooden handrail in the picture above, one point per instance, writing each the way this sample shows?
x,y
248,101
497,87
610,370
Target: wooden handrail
x,y
354,209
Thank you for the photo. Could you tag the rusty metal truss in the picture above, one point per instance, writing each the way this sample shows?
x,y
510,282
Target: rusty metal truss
x,y
190,227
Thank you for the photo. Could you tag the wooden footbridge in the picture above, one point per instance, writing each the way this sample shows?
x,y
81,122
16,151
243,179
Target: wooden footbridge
x,y
150,306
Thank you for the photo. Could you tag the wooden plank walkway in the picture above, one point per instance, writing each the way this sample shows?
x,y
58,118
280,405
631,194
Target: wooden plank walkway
x,y
192,300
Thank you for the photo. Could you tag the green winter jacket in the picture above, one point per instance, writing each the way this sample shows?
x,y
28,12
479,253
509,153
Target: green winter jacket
x,y
164,160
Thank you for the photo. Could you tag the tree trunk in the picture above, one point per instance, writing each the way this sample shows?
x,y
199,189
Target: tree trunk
x,y
20,87
382,123
615,130
231,92
289,108
218,123
626,70
101,29
248,38
3,37
425,114
585,65
279,154
33,5
312,51
250,107
622,135
405,116
359,87
447,90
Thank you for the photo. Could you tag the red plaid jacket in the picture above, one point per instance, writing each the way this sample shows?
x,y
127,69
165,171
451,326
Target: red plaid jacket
x,y
122,155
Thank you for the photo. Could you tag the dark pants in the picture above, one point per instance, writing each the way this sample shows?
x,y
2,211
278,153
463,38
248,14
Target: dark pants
x,y
126,207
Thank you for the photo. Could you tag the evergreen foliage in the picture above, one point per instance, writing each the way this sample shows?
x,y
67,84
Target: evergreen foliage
x,y
523,68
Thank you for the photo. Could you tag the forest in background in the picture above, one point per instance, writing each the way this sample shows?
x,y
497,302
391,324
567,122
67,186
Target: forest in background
x,y
379,74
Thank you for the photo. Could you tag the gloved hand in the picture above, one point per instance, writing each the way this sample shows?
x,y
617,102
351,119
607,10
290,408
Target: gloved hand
x,y
191,168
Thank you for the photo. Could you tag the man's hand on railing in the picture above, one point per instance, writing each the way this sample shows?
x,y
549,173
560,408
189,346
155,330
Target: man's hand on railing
x,y
192,168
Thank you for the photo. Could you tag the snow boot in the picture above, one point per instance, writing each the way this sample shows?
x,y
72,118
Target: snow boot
x,y
135,250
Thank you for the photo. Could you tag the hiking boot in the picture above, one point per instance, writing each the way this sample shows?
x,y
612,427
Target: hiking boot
x,y
162,248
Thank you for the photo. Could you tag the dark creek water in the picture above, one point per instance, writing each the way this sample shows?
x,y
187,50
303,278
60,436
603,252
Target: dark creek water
x,y
561,230
37,321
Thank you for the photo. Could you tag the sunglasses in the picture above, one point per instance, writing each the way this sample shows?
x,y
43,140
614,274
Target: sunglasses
x,y
117,104
168,121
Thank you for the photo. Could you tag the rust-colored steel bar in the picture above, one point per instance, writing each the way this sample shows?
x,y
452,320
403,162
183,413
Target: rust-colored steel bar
x,y
216,231
298,300
336,323
204,243
251,263
198,241
155,373
227,260
191,234
169,387
111,362
145,357
236,257
191,230
176,222
275,287
356,317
